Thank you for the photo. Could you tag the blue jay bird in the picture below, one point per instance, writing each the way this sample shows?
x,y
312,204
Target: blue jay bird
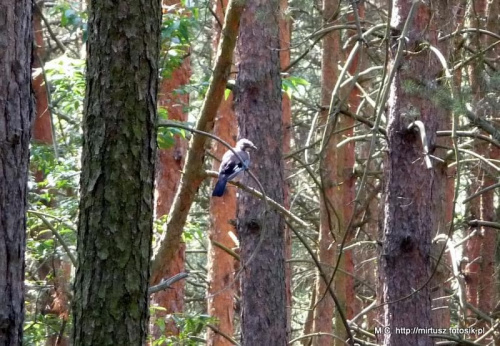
x,y
231,165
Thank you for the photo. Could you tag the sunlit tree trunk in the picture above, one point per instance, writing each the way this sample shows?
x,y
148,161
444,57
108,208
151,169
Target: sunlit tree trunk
x,y
117,181
222,220
261,233
411,205
168,175
16,114
42,127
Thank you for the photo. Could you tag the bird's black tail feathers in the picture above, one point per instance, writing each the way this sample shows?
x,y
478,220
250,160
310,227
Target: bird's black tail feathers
x,y
219,187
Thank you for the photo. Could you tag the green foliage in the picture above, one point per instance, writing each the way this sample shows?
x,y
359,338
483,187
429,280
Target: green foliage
x,y
177,23
293,85
71,17
166,135
190,327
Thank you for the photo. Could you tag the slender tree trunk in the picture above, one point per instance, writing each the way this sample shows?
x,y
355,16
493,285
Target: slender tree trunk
x,y
42,126
285,37
411,205
481,248
330,213
261,233
16,114
117,181
222,220
168,175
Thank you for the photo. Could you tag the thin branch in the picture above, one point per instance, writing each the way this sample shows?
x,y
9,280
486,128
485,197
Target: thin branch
x,y
482,223
167,283
479,193
57,235
221,333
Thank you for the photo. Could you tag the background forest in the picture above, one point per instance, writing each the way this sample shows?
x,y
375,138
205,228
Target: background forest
x,y
378,139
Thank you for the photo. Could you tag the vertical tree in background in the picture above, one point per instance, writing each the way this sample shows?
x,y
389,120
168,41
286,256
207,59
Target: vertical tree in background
x,y
220,264
168,175
481,247
42,127
330,196
258,109
285,38
16,113
118,155
411,205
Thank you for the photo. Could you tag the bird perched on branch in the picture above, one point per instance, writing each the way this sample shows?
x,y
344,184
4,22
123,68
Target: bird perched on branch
x,y
231,165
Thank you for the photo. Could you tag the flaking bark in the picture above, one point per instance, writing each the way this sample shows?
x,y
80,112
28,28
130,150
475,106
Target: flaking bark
x,y
118,157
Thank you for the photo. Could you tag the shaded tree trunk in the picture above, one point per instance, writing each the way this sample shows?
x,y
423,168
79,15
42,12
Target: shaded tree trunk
x,y
117,180
261,234
411,205
16,114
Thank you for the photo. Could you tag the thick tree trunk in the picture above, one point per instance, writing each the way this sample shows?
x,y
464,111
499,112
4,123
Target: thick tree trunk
x,y
411,205
16,113
222,220
118,157
258,109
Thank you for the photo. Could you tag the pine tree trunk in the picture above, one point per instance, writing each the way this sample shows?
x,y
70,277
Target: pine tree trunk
x,y
330,199
16,114
168,175
258,109
411,189
220,264
118,157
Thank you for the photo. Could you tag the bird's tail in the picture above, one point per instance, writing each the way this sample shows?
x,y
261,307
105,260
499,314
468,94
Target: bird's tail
x,y
219,187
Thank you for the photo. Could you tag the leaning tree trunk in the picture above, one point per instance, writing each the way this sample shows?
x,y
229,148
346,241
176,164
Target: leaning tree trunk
x,y
16,113
258,109
411,191
118,156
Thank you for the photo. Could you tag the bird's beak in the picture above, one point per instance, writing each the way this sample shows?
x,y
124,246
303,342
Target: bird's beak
x,y
254,147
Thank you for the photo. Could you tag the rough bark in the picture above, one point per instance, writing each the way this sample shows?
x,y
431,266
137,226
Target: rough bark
x,y
168,176
261,234
117,180
221,265
411,205
16,114
193,168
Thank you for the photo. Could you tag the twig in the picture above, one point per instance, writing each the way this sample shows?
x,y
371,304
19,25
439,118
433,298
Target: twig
x,y
167,283
58,236
226,249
